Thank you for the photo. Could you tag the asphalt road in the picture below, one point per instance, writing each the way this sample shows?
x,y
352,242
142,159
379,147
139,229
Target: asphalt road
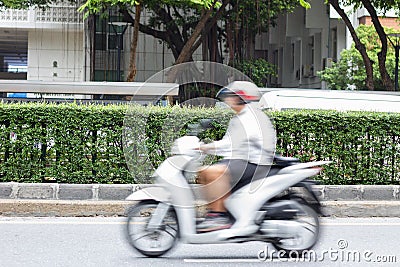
x,y
99,242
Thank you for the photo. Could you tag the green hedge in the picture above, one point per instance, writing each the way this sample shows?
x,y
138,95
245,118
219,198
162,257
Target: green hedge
x,y
62,143
364,146
72,143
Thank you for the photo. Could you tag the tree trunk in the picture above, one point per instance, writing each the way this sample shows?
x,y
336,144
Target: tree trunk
x,y
386,80
369,82
172,37
250,45
230,41
134,43
213,44
209,25
186,50
204,46
185,53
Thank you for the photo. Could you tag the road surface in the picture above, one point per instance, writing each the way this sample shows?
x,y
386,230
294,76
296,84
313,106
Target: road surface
x,y
100,242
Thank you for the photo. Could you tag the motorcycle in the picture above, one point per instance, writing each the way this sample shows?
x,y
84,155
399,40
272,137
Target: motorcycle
x,y
281,209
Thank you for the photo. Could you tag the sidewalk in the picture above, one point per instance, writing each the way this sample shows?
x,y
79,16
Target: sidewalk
x,y
18,199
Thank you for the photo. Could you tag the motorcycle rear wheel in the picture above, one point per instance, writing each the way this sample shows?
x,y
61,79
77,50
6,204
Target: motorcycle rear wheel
x,y
305,239
150,242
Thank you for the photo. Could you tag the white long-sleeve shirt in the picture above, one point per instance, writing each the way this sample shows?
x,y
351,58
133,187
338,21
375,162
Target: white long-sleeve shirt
x,y
250,136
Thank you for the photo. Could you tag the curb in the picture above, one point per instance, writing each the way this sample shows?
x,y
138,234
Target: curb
x,y
62,208
361,208
66,191
89,208
121,191
19,199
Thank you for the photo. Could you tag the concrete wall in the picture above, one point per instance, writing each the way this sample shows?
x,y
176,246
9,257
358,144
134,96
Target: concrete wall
x,y
55,55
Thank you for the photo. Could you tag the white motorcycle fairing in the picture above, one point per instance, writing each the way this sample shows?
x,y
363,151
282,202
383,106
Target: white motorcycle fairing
x,y
173,189
157,193
245,203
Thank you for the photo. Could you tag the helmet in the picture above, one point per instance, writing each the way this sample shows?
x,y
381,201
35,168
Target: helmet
x,y
247,91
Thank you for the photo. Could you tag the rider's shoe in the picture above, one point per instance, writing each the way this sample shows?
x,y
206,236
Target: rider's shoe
x,y
213,222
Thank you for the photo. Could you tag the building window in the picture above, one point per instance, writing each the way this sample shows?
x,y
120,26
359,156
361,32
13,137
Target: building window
x,y
106,38
101,34
113,42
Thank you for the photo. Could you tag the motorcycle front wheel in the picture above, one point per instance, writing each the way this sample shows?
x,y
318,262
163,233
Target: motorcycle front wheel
x,y
148,241
308,235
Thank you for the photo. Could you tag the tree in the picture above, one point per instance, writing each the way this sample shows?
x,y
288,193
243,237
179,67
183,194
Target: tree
x,y
92,7
372,6
25,4
125,7
134,43
369,83
257,70
349,70
186,24
246,18
305,4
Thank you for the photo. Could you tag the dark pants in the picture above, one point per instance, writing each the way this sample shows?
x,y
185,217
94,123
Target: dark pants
x,y
243,172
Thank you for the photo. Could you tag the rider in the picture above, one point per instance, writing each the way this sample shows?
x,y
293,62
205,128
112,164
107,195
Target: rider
x,y
250,143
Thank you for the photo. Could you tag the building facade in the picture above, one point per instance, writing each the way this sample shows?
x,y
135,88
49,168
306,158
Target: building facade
x,y
306,41
55,45
42,44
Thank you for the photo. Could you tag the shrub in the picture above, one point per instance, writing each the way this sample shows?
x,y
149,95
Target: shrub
x,y
258,70
66,143
364,146
349,71
72,143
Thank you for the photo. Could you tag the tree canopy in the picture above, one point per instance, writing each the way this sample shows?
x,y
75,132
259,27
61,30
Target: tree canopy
x,y
374,8
24,4
349,71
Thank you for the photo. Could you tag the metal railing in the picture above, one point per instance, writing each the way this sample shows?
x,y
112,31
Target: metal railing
x,y
142,92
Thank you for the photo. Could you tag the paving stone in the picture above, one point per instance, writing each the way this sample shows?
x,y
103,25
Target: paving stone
x,y
114,192
5,190
75,192
35,191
